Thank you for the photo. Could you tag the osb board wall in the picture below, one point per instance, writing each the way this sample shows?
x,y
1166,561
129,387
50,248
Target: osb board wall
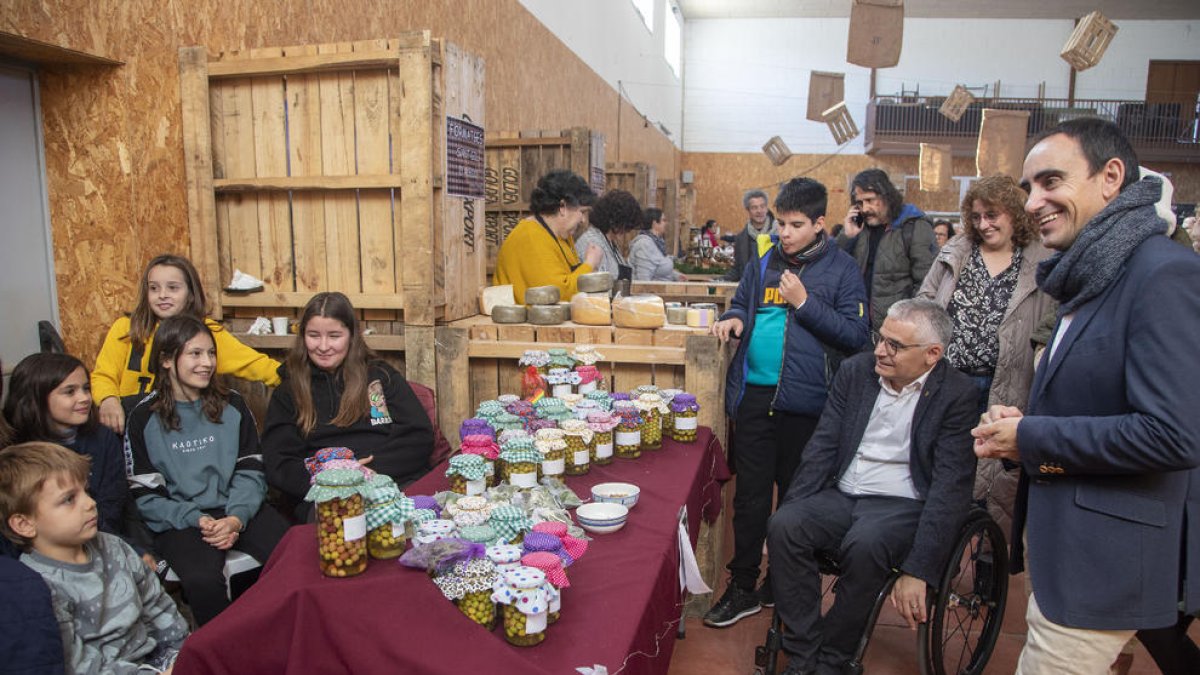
x,y
114,157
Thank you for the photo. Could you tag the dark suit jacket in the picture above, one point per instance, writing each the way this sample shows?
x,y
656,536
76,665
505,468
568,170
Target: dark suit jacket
x,y
942,460
1106,445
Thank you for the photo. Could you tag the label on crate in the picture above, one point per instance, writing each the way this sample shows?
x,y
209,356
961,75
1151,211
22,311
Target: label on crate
x,y
464,159
524,480
582,457
554,467
685,423
629,437
604,451
355,527
535,623
476,487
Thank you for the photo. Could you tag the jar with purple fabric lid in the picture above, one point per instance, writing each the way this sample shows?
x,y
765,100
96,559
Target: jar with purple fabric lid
x,y
476,426
602,424
685,409
627,439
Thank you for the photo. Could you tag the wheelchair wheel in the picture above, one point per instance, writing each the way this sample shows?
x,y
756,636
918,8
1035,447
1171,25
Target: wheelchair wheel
x,y
968,610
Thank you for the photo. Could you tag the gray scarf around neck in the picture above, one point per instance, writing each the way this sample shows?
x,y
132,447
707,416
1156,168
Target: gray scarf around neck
x,y
1083,271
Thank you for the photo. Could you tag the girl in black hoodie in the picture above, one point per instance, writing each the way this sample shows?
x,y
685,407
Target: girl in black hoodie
x,y
336,392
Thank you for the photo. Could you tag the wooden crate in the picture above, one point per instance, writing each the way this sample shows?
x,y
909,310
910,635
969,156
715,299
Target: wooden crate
x,y
637,178
1088,41
515,162
825,90
777,151
322,167
956,103
841,124
667,197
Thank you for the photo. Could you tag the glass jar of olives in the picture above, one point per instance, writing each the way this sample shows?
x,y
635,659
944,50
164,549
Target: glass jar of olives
x,y
388,513
649,405
510,523
554,451
556,577
602,424
341,521
685,411
524,604
580,446
467,474
628,436
469,585
521,462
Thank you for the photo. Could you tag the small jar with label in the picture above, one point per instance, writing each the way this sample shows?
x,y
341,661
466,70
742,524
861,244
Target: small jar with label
x,y
602,424
537,358
584,408
524,604
522,466
686,411
467,474
469,585
554,456
341,521
580,446
485,447
469,511
522,442
589,378
505,556
388,513
561,381
552,566
649,405
627,439
510,524
668,395
602,398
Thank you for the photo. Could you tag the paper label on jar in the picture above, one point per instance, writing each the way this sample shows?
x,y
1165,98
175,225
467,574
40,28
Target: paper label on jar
x,y
554,467
556,603
629,437
489,469
582,457
355,528
525,480
398,530
686,423
476,487
604,450
585,388
535,623
559,389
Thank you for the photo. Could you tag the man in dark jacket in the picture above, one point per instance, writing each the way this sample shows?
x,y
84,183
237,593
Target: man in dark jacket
x,y
893,242
745,243
884,484
796,309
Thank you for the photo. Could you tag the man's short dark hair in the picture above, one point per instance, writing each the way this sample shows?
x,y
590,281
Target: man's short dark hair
x,y
1100,141
557,188
804,195
877,181
617,211
652,216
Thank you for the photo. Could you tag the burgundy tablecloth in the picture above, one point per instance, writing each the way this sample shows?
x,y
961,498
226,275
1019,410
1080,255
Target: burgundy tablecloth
x,y
620,610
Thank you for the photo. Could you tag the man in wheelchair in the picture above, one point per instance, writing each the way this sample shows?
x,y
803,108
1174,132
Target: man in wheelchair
x,y
883,485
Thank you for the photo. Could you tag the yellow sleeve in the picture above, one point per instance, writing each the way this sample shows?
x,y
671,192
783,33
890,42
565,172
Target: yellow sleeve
x,y
235,358
111,361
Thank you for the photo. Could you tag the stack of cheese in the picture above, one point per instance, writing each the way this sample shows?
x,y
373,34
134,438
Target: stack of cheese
x,y
543,306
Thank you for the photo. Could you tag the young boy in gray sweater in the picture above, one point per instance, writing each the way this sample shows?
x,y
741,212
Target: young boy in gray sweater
x,y
112,612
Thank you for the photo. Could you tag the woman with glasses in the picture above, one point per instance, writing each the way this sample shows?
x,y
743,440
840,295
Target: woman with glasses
x,y
986,280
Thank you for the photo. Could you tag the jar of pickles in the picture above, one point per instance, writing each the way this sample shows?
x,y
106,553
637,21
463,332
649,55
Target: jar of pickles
x,y
572,401
488,410
485,447
561,381
561,358
685,410
574,547
668,395
505,556
580,446
602,425
524,605
478,534
589,378
510,523
627,438
505,421
537,358
341,521
434,530
467,474
601,397
388,514
476,426
554,454
650,407
469,585
469,511
552,566
521,464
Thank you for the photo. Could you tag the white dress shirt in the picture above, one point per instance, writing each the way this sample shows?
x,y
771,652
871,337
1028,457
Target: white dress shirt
x,y
880,467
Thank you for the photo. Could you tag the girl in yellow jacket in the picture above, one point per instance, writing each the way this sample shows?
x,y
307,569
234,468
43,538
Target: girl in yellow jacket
x,y
170,286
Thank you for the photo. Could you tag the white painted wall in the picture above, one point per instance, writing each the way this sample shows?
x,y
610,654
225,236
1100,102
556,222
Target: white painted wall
x,y
610,37
747,79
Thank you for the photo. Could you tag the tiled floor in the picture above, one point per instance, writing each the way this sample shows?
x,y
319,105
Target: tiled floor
x,y
893,649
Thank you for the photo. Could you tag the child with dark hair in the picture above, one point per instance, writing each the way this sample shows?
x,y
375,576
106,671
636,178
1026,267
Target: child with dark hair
x,y
799,307
195,467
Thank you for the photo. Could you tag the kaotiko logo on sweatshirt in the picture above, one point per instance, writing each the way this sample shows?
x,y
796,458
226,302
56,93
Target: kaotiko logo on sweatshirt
x,y
191,445
379,409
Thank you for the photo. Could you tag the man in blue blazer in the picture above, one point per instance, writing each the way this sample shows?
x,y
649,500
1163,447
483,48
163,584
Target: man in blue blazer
x,y
1106,446
883,484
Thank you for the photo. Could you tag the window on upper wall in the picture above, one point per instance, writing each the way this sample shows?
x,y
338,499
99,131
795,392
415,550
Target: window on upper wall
x,y
645,8
672,38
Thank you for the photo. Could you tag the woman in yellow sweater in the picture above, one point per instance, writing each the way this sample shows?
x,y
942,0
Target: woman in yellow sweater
x,y
170,286
540,250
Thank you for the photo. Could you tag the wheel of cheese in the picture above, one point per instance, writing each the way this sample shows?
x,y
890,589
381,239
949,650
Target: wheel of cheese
x,y
591,309
542,295
508,314
596,282
564,312
677,315
544,315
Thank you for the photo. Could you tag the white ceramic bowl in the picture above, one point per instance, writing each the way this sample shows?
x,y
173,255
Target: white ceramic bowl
x,y
625,494
601,517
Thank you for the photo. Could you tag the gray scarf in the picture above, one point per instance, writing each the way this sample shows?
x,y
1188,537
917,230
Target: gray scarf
x,y
1085,269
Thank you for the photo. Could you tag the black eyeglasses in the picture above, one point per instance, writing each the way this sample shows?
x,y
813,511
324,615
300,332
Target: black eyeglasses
x,y
892,347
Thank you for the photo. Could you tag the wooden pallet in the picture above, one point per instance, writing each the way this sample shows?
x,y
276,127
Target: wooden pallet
x,y
637,178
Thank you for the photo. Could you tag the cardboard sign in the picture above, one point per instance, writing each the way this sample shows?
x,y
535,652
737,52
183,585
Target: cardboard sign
x,y
936,167
825,90
464,159
956,103
1001,148
876,35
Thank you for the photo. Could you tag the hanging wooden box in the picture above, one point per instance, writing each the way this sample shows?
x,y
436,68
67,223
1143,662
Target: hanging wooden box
x,y
515,162
935,170
840,123
1001,148
825,90
1088,41
956,103
323,167
637,178
777,151
876,33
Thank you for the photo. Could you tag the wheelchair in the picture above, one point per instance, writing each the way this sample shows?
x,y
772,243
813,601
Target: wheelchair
x,y
965,611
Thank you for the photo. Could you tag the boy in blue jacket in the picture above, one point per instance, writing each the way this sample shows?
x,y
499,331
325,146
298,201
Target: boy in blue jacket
x,y
798,308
